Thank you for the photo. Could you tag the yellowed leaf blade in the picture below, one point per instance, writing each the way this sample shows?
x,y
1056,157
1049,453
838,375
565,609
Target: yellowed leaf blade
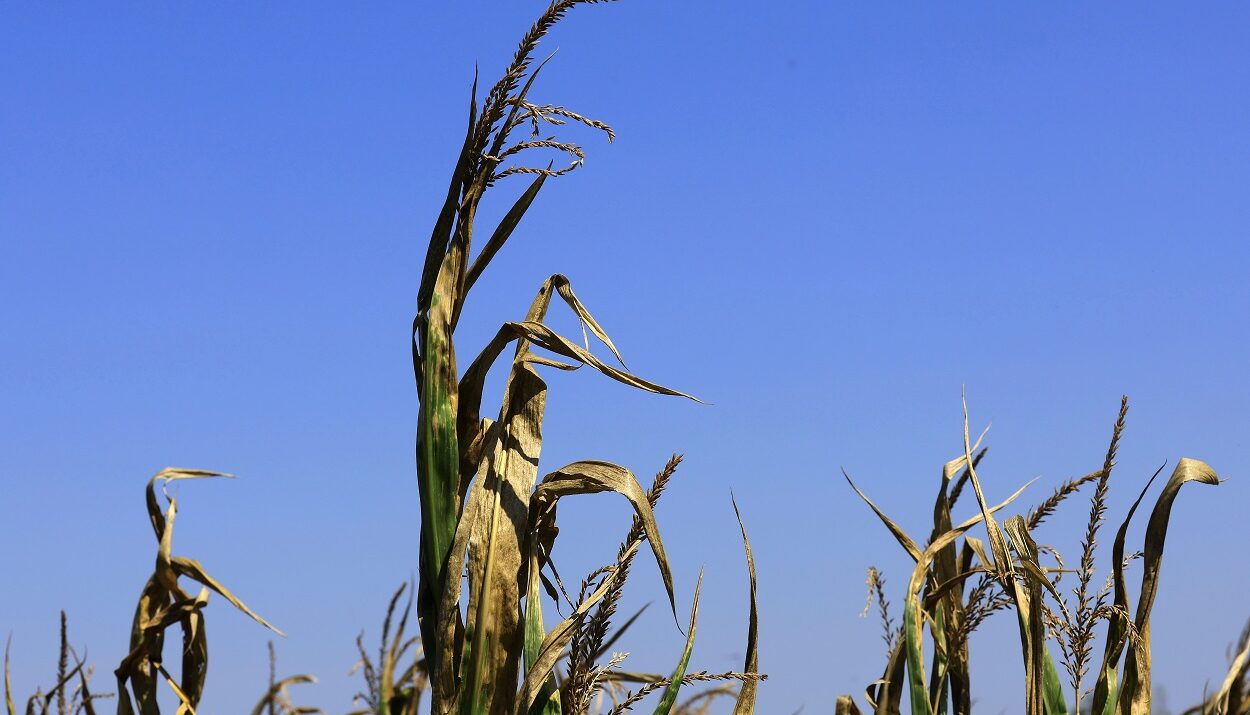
x,y
8,685
1235,672
194,656
167,475
184,704
592,477
277,688
1105,692
565,290
502,232
499,527
745,704
192,570
1135,694
901,536
546,338
509,467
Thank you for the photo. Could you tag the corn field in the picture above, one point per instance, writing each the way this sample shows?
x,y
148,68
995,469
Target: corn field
x,y
473,632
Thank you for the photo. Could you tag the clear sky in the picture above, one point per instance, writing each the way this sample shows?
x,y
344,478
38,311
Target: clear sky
x,y
824,219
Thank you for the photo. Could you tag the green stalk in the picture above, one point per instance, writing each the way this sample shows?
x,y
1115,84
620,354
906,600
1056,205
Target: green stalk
x,y
535,632
913,634
937,694
438,463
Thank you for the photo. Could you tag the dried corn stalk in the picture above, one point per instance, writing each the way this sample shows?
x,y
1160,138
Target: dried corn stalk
x,y
941,612
486,518
164,604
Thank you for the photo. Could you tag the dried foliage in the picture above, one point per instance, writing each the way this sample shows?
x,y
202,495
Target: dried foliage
x,y
1012,576
396,680
70,694
1233,697
876,590
277,698
164,604
488,522
488,528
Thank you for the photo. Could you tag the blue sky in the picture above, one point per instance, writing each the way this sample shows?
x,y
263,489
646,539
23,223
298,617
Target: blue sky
x,y
824,219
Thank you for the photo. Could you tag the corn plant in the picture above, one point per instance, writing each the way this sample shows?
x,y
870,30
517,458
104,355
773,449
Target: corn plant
x,y
483,506
277,697
1012,576
71,693
391,686
163,604
1233,696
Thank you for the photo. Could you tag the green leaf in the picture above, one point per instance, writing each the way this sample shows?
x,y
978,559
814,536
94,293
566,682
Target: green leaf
x,y
669,698
913,635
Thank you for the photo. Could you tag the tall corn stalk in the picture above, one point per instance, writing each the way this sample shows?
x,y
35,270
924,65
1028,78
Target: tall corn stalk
x,y
482,504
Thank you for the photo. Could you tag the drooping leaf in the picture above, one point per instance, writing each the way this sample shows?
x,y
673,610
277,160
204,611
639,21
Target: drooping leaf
x,y
845,706
167,475
593,477
276,689
192,570
1106,688
1135,693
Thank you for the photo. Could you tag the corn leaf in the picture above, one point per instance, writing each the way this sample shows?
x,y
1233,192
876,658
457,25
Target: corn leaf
x,y
8,685
276,689
745,703
192,570
495,552
502,232
954,663
1135,694
913,619
545,703
557,640
669,698
592,477
1220,701
1106,688
913,634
